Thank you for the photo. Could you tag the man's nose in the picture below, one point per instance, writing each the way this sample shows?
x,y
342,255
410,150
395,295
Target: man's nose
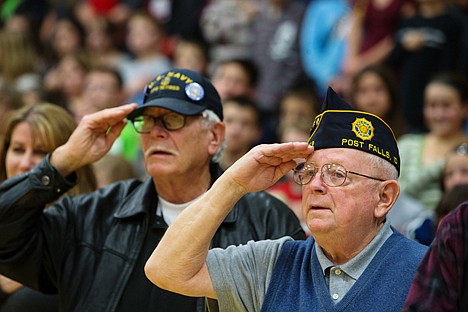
x,y
159,128
316,184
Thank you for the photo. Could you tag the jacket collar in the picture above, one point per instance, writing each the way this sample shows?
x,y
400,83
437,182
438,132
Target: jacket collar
x,y
144,199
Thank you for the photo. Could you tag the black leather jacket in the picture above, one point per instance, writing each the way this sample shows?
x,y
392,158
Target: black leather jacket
x,y
85,247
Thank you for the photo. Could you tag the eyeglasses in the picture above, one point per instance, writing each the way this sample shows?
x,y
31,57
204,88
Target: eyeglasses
x,y
170,121
332,174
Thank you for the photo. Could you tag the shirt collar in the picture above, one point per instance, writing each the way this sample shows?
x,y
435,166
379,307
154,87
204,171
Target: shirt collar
x,y
359,263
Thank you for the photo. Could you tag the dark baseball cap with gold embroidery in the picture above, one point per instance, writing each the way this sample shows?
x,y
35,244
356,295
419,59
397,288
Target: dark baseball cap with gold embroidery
x,y
182,91
338,125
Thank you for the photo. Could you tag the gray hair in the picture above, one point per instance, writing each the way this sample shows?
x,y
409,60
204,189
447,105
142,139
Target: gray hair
x,y
386,169
209,119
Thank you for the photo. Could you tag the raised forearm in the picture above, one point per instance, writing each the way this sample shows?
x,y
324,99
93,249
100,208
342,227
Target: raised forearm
x,y
178,262
62,163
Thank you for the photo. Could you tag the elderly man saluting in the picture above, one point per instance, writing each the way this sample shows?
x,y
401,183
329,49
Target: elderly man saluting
x,y
354,261
92,249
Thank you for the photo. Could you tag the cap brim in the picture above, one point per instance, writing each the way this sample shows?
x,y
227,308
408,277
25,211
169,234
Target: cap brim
x,y
175,105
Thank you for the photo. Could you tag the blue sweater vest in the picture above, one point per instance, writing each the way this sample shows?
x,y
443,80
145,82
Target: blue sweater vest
x,y
298,284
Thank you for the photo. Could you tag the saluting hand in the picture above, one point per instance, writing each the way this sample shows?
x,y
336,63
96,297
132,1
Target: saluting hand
x,y
92,139
265,164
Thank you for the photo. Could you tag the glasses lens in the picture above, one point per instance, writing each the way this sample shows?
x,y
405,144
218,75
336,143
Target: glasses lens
x,y
302,175
170,121
173,121
333,175
142,124
300,178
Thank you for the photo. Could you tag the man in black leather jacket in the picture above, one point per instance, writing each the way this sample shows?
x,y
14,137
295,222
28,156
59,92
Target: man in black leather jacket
x,y
92,248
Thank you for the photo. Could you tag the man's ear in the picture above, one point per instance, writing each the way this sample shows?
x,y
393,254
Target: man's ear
x,y
388,194
218,130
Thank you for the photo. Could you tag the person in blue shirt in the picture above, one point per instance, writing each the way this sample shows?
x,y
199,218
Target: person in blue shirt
x,y
323,37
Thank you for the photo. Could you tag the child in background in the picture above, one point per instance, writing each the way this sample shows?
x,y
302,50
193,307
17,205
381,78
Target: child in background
x,y
191,54
241,117
299,105
374,90
101,43
235,77
421,224
455,173
143,41
456,168
423,155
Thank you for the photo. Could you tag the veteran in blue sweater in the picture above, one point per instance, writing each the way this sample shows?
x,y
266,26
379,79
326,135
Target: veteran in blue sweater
x,y
354,261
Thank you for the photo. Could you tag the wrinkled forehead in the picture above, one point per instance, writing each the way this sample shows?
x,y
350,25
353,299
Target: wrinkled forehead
x,y
344,156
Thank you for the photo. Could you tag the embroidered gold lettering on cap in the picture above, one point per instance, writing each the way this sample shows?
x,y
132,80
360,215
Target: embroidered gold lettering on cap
x,y
338,125
194,91
166,81
183,91
363,129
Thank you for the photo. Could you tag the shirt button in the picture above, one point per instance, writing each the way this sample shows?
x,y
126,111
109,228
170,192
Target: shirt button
x,y
45,180
335,296
337,271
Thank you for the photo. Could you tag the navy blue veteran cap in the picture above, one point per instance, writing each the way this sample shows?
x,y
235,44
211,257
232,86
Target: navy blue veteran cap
x,y
339,125
182,91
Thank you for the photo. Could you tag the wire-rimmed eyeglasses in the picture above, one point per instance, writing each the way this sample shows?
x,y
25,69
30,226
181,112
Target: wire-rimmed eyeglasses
x,y
170,121
332,174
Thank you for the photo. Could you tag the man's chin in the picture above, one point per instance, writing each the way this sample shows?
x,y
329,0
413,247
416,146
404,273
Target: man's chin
x,y
159,169
317,225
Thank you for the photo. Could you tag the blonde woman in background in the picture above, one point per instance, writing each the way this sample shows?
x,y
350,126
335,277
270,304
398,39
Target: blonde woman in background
x,y
28,134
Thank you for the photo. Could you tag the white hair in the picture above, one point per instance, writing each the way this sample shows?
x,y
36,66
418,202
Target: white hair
x,y
209,119
386,169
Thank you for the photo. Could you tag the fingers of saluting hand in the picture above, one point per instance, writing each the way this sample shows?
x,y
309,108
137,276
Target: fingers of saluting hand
x,y
276,154
262,166
92,139
107,118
